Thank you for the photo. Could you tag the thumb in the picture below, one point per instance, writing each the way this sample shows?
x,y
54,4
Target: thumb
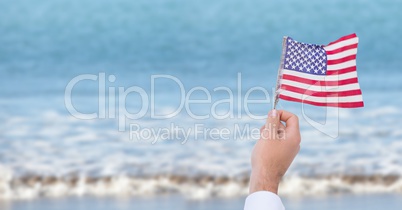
x,y
272,125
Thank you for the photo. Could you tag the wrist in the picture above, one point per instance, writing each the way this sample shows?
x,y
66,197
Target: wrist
x,y
261,181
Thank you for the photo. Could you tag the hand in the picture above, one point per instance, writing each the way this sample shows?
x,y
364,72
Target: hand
x,y
275,151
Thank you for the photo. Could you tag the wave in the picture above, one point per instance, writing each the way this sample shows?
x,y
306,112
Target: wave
x,y
191,187
51,155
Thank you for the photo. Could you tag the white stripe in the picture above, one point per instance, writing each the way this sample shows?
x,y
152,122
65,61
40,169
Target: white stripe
x,y
342,44
342,54
353,86
341,65
356,98
348,75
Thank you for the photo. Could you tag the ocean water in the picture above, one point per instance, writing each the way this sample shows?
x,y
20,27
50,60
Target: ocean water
x,y
47,152
369,202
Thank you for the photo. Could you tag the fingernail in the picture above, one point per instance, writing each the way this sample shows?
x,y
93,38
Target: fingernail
x,y
273,113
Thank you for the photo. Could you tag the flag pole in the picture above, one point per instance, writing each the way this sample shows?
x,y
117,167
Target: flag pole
x,y
278,82
276,93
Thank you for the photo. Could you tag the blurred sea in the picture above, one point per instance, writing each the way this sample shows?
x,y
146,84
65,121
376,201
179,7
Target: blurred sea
x,y
44,151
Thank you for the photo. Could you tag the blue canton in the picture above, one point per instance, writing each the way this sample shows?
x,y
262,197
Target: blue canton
x,y
307,58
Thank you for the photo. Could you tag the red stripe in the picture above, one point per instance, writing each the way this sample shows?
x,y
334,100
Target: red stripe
x,y
341,71
350,36
319,82
341,49
321,94
340,104
341,60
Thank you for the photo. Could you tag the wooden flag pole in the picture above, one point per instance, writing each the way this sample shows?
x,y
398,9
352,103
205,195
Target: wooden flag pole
x,y
281,65
275,98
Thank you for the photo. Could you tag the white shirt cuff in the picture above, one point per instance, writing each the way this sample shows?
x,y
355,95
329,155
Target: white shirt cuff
x,y
263,200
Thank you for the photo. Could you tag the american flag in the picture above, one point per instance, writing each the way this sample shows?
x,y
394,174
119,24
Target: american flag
x,y
320,75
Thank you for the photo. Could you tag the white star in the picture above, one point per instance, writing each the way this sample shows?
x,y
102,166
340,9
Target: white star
x,y
315,71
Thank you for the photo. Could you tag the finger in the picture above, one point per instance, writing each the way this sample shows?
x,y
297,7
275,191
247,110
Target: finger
x,y
281,126
291,120
263,132
273,123
281,131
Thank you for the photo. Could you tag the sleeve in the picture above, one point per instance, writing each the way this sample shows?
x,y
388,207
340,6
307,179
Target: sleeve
x,y
263,200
